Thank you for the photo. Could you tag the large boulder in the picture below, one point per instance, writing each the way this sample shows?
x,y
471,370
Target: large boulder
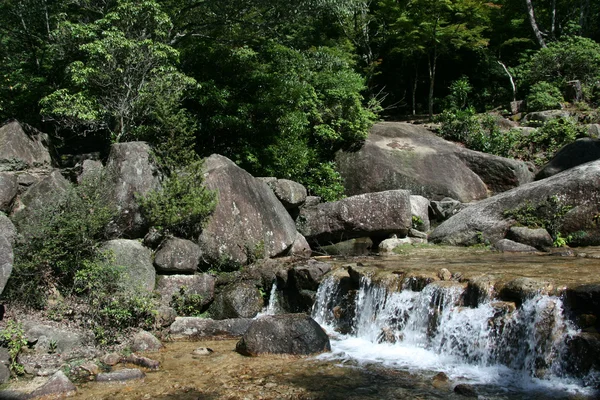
x,y
202,285
237,300
577,187
579,152
399,155
19,150
48,189
6,261
296,334
177,256
135,259
133,174
248,220
291,194
375,215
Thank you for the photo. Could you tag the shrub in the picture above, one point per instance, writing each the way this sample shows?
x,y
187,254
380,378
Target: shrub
x,y
54,240
547,214
182,205
544,96
541,145
13,338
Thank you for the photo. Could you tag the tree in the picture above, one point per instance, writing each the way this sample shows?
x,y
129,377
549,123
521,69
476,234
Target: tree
x,y
126,78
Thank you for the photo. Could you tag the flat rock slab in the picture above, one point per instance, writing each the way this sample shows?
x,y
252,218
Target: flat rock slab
x,y
194,327
121,375
367,215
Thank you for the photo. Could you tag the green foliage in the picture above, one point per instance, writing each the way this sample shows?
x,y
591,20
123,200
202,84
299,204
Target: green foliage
x,y
417,222
13,338
108,301
541,145
187,304
547,214
126,75
459,92
182,205
54,240
544,96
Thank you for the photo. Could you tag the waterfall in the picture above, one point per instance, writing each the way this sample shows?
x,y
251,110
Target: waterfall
x,y
495,343
273,306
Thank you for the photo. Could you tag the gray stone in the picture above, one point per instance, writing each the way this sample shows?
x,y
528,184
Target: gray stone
x,y
577,187
133,173
290,193
242,300
375,215
248,219
399,155
90,168
593,130
178,256
8,190
538,238
498,173
136,259
413,233
46,190
388,245
121,375
300,248
296,334
419,207
4,375
480,290
19,150
7,229
170,285
445,208
509,246
144,341
58,384
541,117
6,261
584,353
46,336
579,152
312,201
165,315
516,107
193,328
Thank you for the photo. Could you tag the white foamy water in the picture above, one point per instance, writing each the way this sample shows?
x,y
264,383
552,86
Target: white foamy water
x,y
430,332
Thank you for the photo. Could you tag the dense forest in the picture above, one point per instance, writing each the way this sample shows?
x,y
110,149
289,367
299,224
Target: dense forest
x,y
278,88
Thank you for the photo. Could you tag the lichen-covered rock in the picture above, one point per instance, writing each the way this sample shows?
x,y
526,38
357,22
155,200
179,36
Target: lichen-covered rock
x,y
242,300
19,150
248,221
291,194
6,261
445,208
296,334
8,190
57,385
38,195
45,336
133,173
375,215
300,247
178,256
577,187
136,259
202,285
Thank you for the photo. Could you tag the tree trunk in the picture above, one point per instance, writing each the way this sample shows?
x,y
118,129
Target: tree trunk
x,y
536,30
414,91
512,81
432,65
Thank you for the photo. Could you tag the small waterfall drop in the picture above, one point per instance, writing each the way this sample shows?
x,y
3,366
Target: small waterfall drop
x,y
495,343
273,306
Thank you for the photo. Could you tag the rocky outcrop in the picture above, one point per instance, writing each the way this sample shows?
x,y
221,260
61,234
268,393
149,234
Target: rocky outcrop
x,y
177,256
202,285
403,156
375,215
487,220
133,174
135,259
242,300
296,334
19,150
579,152
248,221
48,189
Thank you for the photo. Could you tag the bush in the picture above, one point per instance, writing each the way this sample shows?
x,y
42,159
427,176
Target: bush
x,y
544,96
182,205
541,145
56,239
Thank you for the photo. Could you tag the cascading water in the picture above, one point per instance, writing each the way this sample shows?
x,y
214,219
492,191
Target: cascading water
x,y
493,344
